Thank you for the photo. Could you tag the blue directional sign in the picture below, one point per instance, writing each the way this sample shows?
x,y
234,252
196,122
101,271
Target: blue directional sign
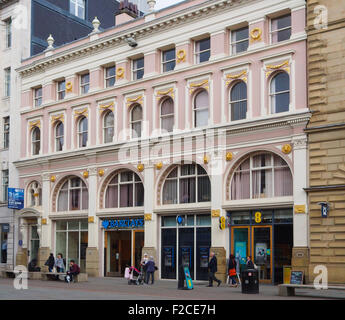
x,y
324,210
15,198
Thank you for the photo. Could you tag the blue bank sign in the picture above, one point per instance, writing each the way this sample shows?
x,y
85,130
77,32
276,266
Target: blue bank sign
x,y
123,223
15,198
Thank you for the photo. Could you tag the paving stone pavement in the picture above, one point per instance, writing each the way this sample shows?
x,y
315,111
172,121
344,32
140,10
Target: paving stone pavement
x,y
118,289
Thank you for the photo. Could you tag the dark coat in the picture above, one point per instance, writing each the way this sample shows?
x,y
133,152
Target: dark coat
x,y
150,266
232,264
212,265
50,262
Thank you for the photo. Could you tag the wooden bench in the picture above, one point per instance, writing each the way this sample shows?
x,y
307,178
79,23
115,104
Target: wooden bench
x,y
288,290
81,277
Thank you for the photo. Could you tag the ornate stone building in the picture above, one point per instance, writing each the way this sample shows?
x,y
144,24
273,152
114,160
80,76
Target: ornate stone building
x,y
149,133
326,135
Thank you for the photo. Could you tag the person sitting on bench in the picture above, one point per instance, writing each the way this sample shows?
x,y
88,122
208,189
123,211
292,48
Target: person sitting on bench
x,y
74,270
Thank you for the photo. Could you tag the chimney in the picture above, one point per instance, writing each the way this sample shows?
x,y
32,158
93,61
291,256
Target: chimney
x,y
127,12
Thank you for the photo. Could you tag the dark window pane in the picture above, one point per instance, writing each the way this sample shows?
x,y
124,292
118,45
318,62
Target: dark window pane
x,y
168,261
205,56
204,44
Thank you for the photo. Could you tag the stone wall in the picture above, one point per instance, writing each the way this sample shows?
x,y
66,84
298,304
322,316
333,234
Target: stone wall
x,y
326,134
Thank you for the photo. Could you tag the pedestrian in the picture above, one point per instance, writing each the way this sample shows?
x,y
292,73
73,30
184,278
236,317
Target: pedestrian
x,y
142,265
150,270
50,262
232,270
212,269
4,251
74,270
59,264
250,264
32,267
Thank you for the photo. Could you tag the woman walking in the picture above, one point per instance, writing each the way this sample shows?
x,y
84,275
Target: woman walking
x,y
232,270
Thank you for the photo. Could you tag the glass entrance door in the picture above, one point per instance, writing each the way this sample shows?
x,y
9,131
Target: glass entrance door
x,y
34,243
240,246
138,244
262,251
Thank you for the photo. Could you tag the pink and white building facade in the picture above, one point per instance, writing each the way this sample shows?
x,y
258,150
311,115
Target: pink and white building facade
x,y
173,134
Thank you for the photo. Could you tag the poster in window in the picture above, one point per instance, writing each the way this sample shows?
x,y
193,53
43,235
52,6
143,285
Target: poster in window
x,y
260,253
241,251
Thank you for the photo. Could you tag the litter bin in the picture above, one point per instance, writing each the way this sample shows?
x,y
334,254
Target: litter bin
x,y
250,281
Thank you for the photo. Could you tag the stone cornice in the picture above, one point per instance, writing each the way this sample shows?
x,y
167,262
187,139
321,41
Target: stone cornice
x,y
115,39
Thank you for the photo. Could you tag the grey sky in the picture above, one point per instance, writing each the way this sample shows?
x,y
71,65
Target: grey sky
x,y
165,3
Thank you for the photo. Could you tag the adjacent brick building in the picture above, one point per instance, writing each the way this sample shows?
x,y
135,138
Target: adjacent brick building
x,y
326,133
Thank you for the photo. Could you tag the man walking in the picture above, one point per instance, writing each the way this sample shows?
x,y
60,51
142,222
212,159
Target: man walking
x,y
212,269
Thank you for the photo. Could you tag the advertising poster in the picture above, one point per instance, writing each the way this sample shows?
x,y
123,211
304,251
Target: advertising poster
x,y
241,251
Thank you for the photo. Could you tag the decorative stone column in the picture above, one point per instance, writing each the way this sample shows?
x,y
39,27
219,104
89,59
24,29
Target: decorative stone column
x,y
300,251
92,252
218,237
46,225
22,252
151,219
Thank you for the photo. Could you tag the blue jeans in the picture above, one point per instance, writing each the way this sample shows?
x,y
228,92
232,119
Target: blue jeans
x,y
50,269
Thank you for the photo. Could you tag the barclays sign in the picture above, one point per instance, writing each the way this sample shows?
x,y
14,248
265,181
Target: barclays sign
x,y
123,223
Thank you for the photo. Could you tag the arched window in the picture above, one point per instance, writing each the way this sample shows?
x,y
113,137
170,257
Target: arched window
x,y
201,104
34,195
167,115
108,127
280,93
73,195
36,141
82,132
59,136
124,190
136,119
238,101
262,175
187,183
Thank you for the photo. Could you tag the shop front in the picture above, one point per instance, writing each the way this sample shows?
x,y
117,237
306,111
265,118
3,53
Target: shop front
x,y
185,240
123,243
71,241
266,236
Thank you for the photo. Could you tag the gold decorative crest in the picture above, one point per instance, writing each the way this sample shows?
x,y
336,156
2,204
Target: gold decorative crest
x,y
232,77
109,106
130,101
120,73
69,86
202,84
78,113
286,148
36,123
255,34
59,117
169,92
271,68
181,56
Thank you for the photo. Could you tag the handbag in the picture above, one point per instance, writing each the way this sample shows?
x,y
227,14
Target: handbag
x,y
232,272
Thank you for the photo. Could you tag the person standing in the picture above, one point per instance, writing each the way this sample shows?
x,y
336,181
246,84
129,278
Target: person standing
x,y
212,269
150,270
142,266
232,270
59,263
250,264
50,262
